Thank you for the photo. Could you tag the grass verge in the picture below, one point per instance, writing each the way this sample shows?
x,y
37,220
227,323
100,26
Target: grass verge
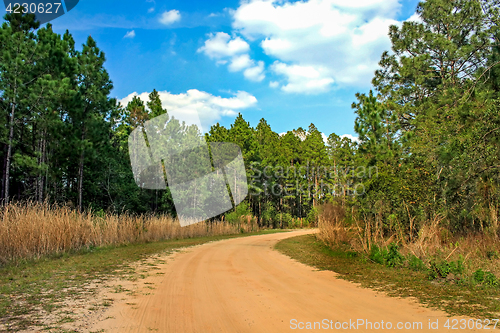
x,y
479,302
30,291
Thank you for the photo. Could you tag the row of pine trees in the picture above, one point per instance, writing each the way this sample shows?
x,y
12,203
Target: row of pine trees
x,y
428,131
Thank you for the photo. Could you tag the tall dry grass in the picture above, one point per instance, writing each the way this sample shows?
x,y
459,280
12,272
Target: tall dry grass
x,y
431,239
32,230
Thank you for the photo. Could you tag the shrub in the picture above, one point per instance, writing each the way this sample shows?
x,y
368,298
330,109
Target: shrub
x,y
393,257
415,263
490,279
240,210
442,268
287,220
439,269
457,267
378,255
478,276
312,216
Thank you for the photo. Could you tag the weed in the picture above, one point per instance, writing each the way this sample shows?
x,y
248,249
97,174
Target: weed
x,y
490,279
377,255
478,276
492,254
393,257
415,263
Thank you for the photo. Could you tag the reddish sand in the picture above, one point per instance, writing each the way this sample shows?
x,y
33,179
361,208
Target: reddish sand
x,y
243,285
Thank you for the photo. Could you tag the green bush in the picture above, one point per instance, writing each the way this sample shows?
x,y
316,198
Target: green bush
x,y
270,218
490,279
287,220
478,276
415,263
393,258
439,269
235,216
457,267
312,216
390,257
377,255
442,268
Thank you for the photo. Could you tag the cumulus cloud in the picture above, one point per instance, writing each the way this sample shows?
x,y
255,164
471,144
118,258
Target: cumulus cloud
x,y
303,79
415,18
255,73
351,137
170,16
274,84
240,62
199,107
318,42
222,45
129,34
233,50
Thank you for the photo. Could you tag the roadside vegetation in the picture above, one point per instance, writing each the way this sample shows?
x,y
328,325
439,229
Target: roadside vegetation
x,y
460,295
32,230
467,259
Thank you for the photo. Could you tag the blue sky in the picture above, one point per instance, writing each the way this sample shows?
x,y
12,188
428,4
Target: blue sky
x,y
290,62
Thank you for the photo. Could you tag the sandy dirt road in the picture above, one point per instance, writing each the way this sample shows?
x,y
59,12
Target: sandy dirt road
x,y
243,285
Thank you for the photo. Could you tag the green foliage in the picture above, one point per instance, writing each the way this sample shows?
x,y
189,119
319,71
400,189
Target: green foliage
x,y
429,128
312,216
478,276
287,220
439,269
393,257
235,215
415,263
486,278
490,279
390,257
377,255
442,268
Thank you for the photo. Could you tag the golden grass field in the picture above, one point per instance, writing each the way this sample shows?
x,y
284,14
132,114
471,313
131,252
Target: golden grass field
x,y
32,230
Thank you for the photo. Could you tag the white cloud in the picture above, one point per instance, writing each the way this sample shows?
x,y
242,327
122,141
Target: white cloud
x,y
170,16
239,63
319,41
221,46
255,73
414,18
303,79
274,84
349,136
188,106
129,34
325,137
152,9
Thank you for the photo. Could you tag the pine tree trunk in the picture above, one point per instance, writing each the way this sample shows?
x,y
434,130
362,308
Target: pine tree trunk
x,y
41,182
80,174
9,152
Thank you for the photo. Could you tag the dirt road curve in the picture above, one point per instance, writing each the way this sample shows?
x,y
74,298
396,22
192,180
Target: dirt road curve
x,y
243,285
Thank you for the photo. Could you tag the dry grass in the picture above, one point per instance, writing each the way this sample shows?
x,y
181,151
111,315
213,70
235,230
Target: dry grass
x,y
430,240
33,230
